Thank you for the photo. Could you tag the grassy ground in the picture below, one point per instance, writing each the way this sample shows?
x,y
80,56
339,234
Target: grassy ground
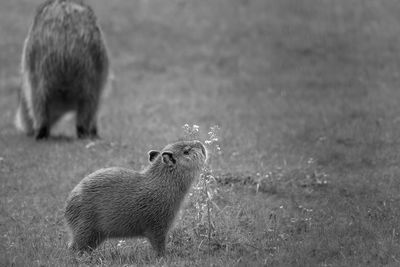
x,y
306,95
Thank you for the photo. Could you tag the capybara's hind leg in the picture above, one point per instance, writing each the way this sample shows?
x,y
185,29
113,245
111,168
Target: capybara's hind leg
x,y
43,132
157,241
86,241
86,125
41,118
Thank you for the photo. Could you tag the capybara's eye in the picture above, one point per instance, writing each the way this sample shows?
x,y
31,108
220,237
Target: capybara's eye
x,y
186,152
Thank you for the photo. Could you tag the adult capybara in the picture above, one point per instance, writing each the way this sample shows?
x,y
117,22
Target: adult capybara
x,y
64,68
118,202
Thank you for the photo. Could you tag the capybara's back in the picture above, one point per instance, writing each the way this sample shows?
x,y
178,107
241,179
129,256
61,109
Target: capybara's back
x,y
64,68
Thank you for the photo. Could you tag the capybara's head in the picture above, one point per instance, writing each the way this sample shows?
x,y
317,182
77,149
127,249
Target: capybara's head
x,y
185,155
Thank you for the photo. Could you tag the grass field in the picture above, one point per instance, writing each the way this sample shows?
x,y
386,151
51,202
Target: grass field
x,y
306,95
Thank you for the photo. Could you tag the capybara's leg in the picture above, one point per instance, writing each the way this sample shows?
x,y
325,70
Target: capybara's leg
x,y
86,126
85,240
95,239
43,132
157,241
41,118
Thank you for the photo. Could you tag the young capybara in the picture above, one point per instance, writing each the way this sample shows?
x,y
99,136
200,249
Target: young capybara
x,y
118,202
64,68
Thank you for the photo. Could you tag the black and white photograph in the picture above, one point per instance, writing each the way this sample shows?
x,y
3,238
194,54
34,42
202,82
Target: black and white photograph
x,y
200,133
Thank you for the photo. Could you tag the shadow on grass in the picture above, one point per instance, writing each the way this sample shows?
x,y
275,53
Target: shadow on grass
x,y
60,139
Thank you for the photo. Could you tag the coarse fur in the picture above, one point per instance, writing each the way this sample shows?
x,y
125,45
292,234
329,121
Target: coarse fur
x,y
119,202
64,68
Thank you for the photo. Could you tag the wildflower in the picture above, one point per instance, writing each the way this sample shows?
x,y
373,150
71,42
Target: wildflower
x,y
121,243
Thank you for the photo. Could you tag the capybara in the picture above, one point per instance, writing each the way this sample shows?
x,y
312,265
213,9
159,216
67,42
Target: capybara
x,y
64,68
119,202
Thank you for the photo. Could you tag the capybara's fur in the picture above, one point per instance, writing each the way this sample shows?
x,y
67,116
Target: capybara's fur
x,y
118,202
64,68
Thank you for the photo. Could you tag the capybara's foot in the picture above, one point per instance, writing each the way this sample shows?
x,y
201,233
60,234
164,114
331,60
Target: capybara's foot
x,y
42,133
84,133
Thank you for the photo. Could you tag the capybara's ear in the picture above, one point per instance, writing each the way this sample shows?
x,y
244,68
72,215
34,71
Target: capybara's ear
x,y
153,155
168,158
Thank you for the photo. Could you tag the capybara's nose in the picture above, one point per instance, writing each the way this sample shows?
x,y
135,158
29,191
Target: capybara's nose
x,y
200,145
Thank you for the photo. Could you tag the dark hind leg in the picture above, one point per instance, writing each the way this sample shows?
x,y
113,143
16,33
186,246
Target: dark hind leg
x,y
86,124
41,116
43,132
157,240
86,241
